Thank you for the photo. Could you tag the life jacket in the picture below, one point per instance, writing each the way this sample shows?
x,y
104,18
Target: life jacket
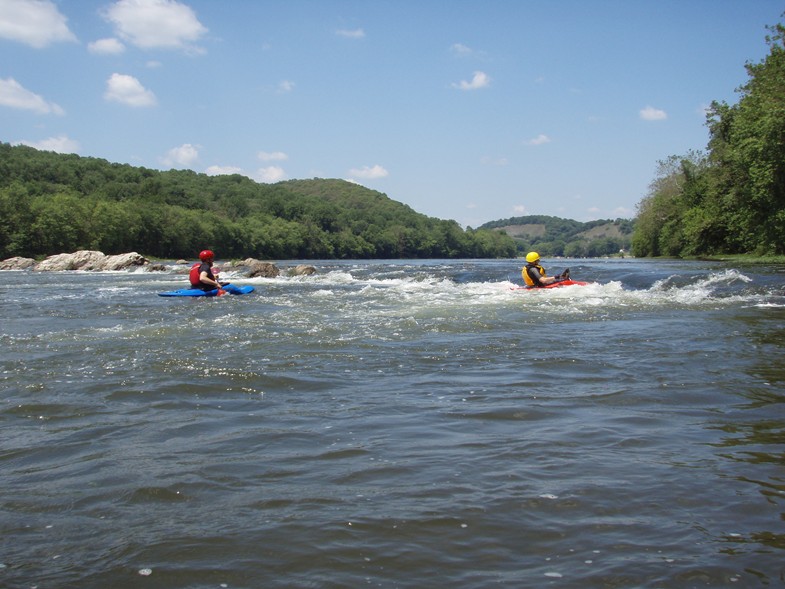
x,y
528,279
194,275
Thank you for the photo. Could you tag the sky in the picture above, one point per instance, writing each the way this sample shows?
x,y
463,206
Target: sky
x,y
467,110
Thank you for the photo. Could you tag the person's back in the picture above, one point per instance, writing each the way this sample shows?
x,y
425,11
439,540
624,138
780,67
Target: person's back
x,y
201,275
534,274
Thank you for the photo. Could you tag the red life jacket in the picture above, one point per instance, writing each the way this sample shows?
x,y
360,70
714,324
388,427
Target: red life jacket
x,y
194,275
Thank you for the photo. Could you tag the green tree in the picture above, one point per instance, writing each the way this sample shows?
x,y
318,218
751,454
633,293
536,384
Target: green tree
x,y
54,202
733,200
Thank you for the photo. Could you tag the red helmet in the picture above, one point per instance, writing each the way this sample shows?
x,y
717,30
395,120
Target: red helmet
x,y
206,255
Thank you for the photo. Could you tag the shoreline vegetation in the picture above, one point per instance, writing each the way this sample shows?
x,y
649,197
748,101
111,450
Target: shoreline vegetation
x,y
54,203
729,200
59,203
743,259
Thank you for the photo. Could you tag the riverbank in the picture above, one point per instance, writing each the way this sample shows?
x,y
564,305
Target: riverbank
x,y
742,259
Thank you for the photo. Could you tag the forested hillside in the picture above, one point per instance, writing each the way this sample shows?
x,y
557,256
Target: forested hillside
x,y
554,236
730,199
52,203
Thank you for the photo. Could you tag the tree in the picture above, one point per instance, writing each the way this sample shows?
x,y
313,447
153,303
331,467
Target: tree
x,y
733,199
52,203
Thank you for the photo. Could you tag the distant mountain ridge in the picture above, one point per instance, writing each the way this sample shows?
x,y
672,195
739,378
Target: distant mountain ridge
x,y
555,236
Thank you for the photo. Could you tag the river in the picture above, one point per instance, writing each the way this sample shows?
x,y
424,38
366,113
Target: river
x,y
395,424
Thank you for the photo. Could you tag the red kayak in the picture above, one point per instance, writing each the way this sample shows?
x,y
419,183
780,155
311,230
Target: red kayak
x,y
567,282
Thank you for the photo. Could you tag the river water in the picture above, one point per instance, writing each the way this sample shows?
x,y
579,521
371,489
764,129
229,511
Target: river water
x,y
395,424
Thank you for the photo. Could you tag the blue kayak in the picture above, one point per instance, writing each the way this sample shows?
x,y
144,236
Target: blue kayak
x,y
196,292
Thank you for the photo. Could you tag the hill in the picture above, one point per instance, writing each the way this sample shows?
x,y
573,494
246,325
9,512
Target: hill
x,y
554,236
52,203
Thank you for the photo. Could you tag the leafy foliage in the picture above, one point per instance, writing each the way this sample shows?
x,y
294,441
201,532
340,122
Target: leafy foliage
x,y
731,199
52,203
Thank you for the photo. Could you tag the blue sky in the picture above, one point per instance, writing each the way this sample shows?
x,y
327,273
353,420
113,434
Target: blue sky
x,y
467,110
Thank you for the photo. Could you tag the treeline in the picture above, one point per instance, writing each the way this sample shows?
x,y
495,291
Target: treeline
x,y
731,198
52,203
566,237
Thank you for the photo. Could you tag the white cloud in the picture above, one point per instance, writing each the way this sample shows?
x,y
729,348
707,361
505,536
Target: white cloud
x,y
285,86
128,90
275,156
60,144
109,46
369,173
270,174
461,49
351,34
13,94
519,210
541,139
156,24
653,114
223,170
184,156
479,80
37,23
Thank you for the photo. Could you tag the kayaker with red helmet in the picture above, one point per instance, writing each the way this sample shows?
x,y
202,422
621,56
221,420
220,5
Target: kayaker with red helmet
x,y
201,275
534,275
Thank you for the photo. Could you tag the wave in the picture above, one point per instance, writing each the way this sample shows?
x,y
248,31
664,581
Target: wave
x,y
437,288
398,288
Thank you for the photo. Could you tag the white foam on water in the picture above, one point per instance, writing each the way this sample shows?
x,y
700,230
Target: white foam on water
x,y
431,293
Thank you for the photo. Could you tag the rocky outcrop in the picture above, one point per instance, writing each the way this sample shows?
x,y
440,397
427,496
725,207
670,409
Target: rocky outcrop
x,y
17,263
81,260
95,261
302,270
124,261
258,268
86,260
251,268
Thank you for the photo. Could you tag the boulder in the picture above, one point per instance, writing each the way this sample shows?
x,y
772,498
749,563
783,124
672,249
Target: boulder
x,y
123,261
17,263
81,260
90,260
302,270
263,269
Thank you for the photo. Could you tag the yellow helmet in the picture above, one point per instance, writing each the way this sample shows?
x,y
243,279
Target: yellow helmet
x,y
532,257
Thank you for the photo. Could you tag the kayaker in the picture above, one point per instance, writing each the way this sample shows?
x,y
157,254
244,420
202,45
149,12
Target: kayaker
x,y
534,275
201,275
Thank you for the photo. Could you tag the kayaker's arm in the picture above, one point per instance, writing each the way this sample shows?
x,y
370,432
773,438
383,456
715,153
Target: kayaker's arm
x,y
204,278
